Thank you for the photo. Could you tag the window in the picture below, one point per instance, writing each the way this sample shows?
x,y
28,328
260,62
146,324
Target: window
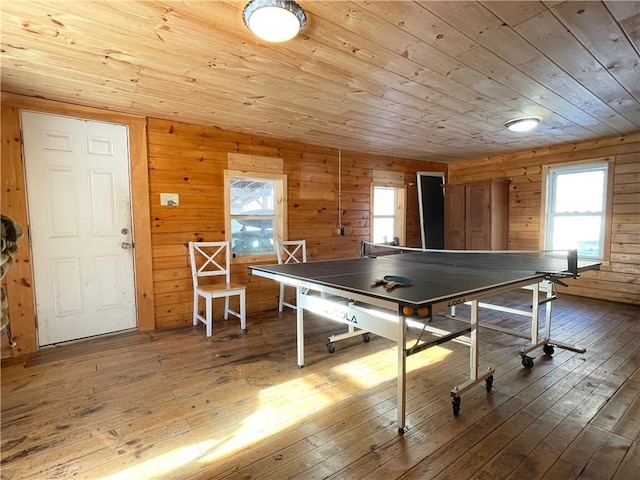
x,y
388,215
255,212
576,212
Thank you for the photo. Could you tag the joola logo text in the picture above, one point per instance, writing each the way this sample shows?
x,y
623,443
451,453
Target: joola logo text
x,y
457,301
340,315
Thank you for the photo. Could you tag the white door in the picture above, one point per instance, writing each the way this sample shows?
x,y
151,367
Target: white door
x,y
79,203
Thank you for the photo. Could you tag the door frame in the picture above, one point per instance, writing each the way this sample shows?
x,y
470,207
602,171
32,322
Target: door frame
x,y
19,279
420,205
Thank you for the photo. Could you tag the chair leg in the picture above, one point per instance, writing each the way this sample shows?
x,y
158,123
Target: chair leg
x,y
195,308
243,312
281,304
226,308
209,316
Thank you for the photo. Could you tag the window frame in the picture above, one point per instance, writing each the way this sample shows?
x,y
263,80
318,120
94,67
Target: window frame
x,y
400,217
280,216
548,195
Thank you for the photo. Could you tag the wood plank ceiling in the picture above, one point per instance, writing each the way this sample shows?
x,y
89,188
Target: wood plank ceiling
x,y
423,80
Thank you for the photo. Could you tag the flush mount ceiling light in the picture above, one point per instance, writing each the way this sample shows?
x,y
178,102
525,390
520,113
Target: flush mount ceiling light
x,y
523,124
274,20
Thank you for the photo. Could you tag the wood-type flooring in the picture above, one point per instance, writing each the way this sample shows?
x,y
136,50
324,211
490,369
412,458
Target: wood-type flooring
x,y
172,404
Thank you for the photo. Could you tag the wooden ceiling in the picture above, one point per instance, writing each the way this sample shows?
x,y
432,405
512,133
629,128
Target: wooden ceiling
x,y
424,80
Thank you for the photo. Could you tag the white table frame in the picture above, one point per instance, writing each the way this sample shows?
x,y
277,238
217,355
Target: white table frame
x,y
535,340
364,313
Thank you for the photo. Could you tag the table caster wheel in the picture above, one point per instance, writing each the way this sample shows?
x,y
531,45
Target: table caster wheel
x,y
527,362
548,349
488,383
455,403
331,347
366,338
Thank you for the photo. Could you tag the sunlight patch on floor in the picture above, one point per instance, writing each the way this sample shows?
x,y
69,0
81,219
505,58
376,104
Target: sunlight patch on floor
x,y
367,375
283,406
159,466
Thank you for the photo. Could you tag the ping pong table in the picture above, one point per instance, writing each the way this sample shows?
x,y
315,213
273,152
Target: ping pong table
x,y
356,293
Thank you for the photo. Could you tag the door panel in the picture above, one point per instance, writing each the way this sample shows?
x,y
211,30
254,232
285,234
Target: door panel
x,y
478,225
454,232
67,280
79,204
63,207
103,202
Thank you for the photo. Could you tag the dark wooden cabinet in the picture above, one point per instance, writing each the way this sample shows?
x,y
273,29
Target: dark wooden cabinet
x,y
454,217
476,216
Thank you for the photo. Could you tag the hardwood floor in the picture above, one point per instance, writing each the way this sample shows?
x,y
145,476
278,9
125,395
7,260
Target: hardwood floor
x,y
173,405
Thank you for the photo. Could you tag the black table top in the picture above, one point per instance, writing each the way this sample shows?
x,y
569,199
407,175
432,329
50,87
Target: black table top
x,y
435,278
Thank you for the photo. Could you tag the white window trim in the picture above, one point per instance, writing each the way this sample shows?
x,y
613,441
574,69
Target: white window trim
x,y
280,223
546,179
401,211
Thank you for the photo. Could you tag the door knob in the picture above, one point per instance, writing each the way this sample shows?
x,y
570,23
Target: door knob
x,y
125,245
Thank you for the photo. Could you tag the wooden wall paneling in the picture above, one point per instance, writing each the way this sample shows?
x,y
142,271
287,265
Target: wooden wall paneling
x,y
190,160
626,212
552,154
168,133
485,168
589,286
166,177
254,163
312,177
19,278
524,212
618,278
15,204
386,178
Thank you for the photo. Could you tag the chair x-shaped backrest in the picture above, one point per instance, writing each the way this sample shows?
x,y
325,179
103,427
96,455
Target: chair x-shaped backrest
x,y
209,259
294,250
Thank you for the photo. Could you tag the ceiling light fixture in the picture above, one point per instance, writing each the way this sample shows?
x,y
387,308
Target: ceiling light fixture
x,y
274,20
523,124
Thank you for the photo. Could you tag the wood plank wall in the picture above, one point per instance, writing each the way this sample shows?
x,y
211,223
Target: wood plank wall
x,y
190,160
619,277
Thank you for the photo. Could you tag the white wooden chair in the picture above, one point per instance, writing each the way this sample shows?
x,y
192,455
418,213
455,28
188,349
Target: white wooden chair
x,y
210,259
290,251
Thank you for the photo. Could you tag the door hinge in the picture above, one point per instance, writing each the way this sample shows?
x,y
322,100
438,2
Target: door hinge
x,y
29,233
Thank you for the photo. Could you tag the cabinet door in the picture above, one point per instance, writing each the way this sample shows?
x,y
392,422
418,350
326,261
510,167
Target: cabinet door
x,y
500,215
454,237
478,217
